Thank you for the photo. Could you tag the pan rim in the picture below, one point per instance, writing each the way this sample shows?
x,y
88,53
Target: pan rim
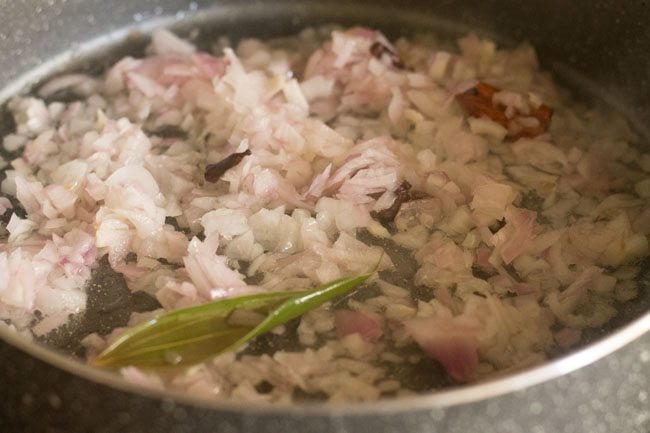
x,y
462,395
466,394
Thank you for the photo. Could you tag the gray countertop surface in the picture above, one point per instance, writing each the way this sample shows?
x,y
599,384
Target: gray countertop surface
x,y
611,395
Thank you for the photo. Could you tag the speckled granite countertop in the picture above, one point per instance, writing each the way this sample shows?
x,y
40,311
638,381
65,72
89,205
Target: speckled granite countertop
x,y
609,396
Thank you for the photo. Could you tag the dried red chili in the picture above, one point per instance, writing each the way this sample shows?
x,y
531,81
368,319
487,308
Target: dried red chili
x,y
477,102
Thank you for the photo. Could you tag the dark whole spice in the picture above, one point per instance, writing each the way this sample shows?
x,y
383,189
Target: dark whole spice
x,y
378,50
403,194
16,208
5,217
498,225
167,131
213,172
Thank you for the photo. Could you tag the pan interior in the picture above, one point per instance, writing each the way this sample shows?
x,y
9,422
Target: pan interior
x,y
110,303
